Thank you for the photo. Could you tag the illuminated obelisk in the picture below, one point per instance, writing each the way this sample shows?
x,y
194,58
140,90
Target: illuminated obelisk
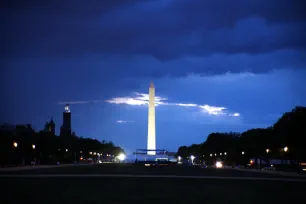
x,y
151,121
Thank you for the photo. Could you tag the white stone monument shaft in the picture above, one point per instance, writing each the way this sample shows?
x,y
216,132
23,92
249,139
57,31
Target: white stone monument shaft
x,y
151,121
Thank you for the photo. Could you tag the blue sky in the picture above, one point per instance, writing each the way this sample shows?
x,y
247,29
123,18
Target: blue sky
x,y
217,66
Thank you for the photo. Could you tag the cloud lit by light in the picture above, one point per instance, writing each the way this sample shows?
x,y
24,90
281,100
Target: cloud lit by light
x,y
77,102
128,101
186,104
143,99
235,115
123,121
139,99
213,110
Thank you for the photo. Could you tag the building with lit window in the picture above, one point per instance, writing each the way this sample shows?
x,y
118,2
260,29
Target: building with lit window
x,y
66,127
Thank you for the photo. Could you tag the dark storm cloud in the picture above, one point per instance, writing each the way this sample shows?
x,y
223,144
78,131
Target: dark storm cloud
x,y
164,29
226,13
72,8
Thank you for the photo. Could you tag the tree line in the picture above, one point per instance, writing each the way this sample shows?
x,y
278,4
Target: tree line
x,y
285,140
21,144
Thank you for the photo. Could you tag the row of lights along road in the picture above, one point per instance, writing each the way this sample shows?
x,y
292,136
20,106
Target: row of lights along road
x,y
267,150
15,144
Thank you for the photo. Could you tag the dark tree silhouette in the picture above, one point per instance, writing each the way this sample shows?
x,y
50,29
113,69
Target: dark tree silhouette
x,y
45,147
289,131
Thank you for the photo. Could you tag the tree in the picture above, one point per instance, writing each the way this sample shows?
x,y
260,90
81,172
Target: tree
x,y
48,148
289,130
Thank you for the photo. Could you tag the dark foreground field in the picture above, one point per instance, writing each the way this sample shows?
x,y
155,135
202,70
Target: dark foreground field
x,y
83,189
142,170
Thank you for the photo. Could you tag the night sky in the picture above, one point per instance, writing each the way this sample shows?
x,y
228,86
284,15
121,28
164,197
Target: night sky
x,y
217,66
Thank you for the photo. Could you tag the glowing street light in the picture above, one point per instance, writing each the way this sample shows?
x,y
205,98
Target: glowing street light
x,y
210,155
219,165
192,158
286,149
225,153
242,153
179,158
33,146
15,144
121,157
268,150
66,150
215,154
90,152
221,154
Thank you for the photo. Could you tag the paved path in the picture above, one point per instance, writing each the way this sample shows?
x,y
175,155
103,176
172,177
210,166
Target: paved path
x,y
29,167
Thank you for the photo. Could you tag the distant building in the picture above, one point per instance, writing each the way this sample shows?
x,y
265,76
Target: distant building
x,y
66,127
50,127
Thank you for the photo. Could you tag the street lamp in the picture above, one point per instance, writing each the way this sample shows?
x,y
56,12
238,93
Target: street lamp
x,y
121,157
66,150
221,154
15,144
268,150
285,150
242,153
215,154
192,158
179,158
210,155
33,146
225,153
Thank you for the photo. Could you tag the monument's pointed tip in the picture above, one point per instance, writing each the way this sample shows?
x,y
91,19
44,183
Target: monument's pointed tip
x,y
151,84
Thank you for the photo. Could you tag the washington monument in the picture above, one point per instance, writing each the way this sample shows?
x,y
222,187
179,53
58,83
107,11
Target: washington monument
x,y
151,121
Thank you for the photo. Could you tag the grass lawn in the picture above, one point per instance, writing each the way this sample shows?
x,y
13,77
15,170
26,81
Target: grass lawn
x,y
141,169
117,190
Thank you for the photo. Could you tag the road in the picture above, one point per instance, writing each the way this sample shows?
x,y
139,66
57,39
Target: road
x,y
137,184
